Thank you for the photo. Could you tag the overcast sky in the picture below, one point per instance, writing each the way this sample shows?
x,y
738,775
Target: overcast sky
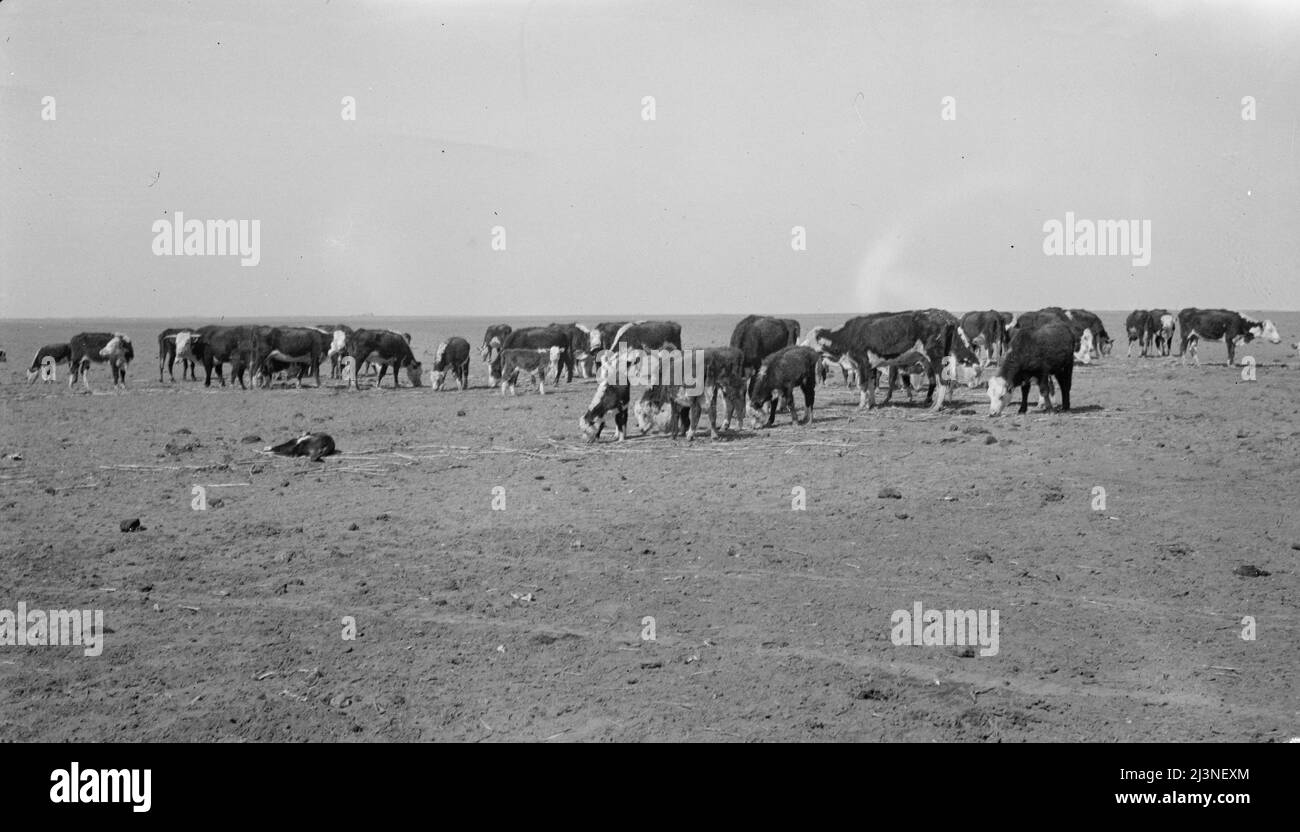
x,y
529,116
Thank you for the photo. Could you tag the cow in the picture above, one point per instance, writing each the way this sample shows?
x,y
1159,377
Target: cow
x,y
338,345
602,335
757,337
683,410
1077,319
609,396
647,335
213,346
387,349
869,341
452,356
97,348
780,373
167,356
314,446
1138,328
987,332
302,345
1163,324
493,340
1101,340
1232,328
1040,355
579,347
536,363
533,338
57,353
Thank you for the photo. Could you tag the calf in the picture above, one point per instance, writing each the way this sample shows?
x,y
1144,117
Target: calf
x,y
608,397
783,371
530,339
1138,328
453,357
167,356
314,446
57,353
1035,355
536,363
683,410
387,349
293,345
1221,325
493,339
98,348
677,407
987,333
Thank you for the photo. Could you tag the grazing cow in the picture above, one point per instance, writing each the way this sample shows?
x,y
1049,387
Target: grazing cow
x,y
58,353
167,356
99,347
1221,325
648,335
213,346
314,446
608,397
1077,319
338,346
602,336
757,337
987,332
1163,325
1138,328
537,363
387,349
677,407
579,347
1101,340
493,340
1035,355
724,374
781,372
1084,354
869,341
292,345
682,410
453,356
533,338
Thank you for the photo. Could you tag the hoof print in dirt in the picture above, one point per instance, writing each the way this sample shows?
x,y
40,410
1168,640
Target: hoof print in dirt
x,y
132,525
314,446
1250,571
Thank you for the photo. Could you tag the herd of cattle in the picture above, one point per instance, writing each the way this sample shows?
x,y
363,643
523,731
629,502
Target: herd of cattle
x,y
764,364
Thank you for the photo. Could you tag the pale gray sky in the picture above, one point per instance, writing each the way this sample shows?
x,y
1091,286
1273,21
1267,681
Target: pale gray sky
x,y
529,116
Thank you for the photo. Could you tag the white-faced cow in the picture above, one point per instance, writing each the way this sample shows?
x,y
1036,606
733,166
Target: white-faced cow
x,y
167,356
779,375
213,346
602,335
387,349
493,340
58,353
536,363
609,397
531,339
987,333
1163,325
579,348
1077,319
1221,325
338,346
88,348
452,356
677,407
1035,355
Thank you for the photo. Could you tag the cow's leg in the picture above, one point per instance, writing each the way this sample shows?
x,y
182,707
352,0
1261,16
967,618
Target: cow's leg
x,y
1064,378
787,399
620,423
1231,344
866,385
771,412
1024,397
809,394
697,407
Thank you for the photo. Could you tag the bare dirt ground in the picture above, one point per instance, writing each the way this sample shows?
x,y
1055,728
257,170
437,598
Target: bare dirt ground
x,y
771,624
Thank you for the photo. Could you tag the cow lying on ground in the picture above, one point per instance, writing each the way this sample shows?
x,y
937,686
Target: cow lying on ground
x,y
536,363
58,353
167,357
453,357
314,446
88,348
780,373
1221,325
387,349
1035,355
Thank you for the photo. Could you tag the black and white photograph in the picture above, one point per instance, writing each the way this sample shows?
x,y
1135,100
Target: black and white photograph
x,y
650,371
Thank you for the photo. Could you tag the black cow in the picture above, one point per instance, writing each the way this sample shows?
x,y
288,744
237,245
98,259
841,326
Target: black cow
x,y
387,349
453,357
300,345
1138,328
493,340
213,346
987,332
167,356
758,336
1100,339
1221,325
314,446
781,372
608,397
58,352
533,338
648,335
870,341
1035,355
88,348
579,347
1077,319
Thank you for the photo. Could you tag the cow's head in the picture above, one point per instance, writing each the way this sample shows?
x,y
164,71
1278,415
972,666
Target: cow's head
x,y
605,399
338,342
960,372
117,348
594,340
553,355
185,343
819,339
762,393
1104,344
414,372
998,394
1267,331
